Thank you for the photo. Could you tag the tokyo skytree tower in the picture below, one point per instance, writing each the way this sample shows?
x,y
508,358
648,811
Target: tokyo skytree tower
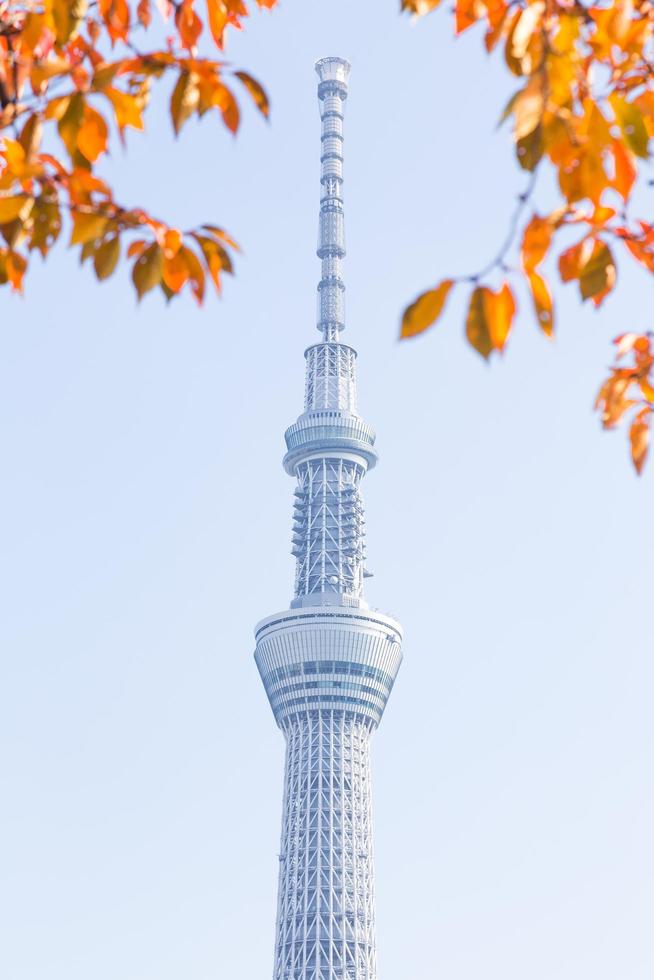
x,y
329,662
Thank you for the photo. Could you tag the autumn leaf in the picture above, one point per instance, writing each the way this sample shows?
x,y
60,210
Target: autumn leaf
x,y
639,439
105,258
625,170
426,309
489,320
93,134
543,303
184,100
631,122
11,207
598,274
148,270
535,242
256,91
87,227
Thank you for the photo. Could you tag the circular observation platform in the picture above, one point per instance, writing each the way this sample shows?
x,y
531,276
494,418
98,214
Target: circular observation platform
x,y
329,432
323,658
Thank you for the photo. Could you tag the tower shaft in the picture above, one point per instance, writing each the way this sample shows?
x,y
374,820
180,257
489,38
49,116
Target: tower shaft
x,y
328,663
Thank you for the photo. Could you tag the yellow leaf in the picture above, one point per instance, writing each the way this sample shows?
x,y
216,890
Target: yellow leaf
x,y
105,258
477,330
528,106
184,100
598,274
529,149
11,207
87,227
127,108
148,270
543,305
519,58
631,122
425,310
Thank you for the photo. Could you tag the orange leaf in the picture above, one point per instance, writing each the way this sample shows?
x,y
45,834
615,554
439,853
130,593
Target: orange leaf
x,y
144,13
256,91
16,266
11,207
188,24
543,304
93,134
217,20
467,13
625,169
87,227
639,439
425,310
535,242
489,320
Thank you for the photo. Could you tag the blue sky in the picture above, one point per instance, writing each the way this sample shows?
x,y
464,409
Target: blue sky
x,y
147,528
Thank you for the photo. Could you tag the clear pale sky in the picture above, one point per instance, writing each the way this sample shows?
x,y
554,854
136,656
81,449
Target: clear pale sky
x,y
146,529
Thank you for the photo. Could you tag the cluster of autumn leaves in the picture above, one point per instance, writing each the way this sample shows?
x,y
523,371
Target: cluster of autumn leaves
x,y
76,71
79,71
585,107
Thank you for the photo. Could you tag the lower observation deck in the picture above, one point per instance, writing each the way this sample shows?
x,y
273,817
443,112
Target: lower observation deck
x,y
328,658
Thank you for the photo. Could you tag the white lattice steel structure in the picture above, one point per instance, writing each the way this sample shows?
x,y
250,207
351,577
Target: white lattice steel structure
x,y
328,663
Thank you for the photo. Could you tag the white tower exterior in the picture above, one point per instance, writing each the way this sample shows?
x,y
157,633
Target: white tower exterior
x,y
328,663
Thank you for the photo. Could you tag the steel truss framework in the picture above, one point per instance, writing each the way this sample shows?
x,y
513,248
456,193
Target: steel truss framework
x,y
328,663
325,922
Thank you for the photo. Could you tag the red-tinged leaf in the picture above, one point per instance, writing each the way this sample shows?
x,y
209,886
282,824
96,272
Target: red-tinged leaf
x,y
93,135
144,12
136,248
543,304
573,258
467,13
188,24
148,270
535,242
196,273
225,101
256,91
639,439
625,169
15,270
425,311
598,274
105,258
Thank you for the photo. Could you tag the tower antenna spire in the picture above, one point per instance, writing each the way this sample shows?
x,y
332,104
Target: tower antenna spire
x,y
332,93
